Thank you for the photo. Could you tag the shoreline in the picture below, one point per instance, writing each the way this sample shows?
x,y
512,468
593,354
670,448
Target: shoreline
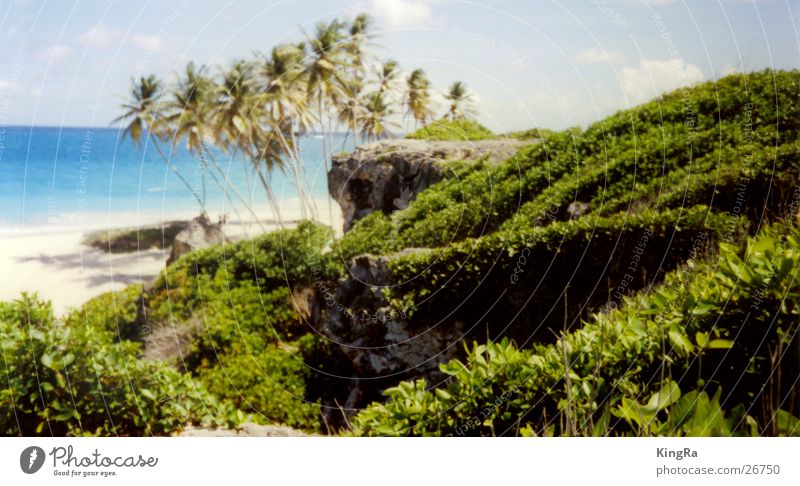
x,y
57,262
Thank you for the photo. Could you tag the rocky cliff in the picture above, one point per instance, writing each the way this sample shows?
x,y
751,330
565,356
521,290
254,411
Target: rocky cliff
x,y
386,175
381,343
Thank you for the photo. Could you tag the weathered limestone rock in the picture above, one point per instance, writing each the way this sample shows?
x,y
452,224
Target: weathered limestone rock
x,y
385,175
199,233
382,343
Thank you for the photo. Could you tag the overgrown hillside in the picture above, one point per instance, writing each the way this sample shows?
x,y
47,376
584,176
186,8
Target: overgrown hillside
x,y
614,280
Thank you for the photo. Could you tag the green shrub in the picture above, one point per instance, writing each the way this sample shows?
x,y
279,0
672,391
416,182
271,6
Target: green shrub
x,y
76,380
724,329
269,384
115,312
532,134
665,154
242,299
277,259
459,129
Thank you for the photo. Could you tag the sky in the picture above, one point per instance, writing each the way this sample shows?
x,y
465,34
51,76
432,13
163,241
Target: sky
x,y
529,63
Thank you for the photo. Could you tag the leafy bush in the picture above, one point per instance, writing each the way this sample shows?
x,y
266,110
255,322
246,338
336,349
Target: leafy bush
x,y
458,129
270,384
119,313
667,153
76,380
278,259
532,134
243,298
723,329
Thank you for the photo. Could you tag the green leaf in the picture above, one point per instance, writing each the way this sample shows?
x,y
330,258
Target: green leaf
x,y
680,343
787,424
701,338
666,396
720,344
444,395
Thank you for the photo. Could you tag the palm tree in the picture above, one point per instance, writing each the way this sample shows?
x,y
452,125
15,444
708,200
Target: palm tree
x,y
418,98
350,109
387,76
240,127
191,118
376,117
188,117
142,113
326,56
286,106
358,40
461,101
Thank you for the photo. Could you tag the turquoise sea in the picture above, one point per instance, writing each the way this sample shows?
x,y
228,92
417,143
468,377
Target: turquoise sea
x,y
59,177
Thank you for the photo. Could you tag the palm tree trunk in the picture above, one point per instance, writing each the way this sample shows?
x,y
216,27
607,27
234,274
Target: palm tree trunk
x,y
321,103
271,196
229,183
180,177
295,172
312,205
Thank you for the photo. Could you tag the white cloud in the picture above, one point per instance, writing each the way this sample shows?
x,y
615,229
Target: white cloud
x,y
729,69
55,53
594,55
98,36
7,86
146,42
401,14
653,77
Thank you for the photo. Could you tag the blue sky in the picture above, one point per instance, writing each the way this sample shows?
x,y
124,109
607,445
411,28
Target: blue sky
x,y
530,63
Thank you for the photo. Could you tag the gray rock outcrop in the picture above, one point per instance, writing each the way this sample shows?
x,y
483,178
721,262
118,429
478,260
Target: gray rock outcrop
x,y
199,233
382,343
386,175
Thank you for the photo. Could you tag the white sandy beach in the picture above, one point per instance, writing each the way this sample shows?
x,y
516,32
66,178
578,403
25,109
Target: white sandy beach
x,y
54,262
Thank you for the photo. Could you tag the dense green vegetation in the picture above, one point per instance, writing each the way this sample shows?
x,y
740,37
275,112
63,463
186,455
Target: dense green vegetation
x,y
242,300
659,183
637,277
712,351
532,134
75,378
128,240
457,129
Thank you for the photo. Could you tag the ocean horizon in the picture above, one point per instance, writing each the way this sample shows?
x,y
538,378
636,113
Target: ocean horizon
x,y
57,178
